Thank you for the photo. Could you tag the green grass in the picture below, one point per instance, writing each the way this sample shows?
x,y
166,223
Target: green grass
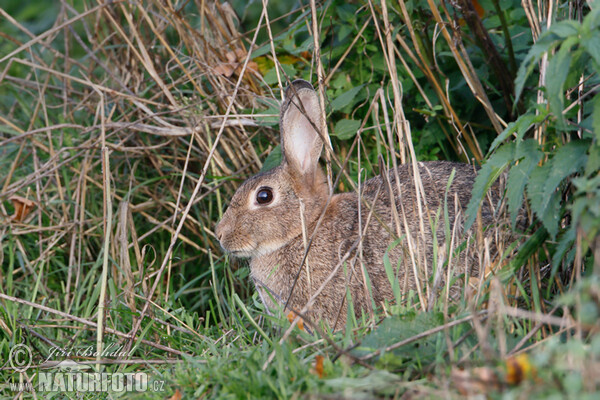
x,y
136,80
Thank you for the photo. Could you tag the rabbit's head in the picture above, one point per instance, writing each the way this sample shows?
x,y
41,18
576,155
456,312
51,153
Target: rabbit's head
x,y
265,212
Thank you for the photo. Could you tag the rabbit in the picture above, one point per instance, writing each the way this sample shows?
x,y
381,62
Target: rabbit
x,y
273,216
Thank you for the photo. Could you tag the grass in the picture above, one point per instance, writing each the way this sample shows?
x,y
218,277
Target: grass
x,y
125,129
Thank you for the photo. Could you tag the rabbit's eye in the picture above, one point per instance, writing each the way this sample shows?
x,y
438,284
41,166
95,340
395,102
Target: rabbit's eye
x,y
264,195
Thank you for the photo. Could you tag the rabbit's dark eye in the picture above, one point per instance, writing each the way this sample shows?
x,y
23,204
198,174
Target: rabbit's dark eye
x,y
264,195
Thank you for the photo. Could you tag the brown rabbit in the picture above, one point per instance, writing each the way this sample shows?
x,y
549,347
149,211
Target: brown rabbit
x,y
274,215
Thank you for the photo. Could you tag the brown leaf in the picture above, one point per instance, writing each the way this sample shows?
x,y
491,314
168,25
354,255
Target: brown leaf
x,y
240,55
252,67
224,69
231,56
176,396
292,316
22,207
318,369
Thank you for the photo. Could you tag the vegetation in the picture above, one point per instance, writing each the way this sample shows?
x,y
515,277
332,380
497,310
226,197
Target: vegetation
x,y
125,127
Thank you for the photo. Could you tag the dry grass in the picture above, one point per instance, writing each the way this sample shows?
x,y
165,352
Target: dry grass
x,y
109,151
155,108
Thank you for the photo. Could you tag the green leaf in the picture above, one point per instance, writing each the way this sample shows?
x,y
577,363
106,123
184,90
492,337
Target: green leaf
x,y
525,251
345,98
271,113
273,159
346,128
544,181
590,35
596,117
271,75
564,29
557,72
529,155
546,42
565,242
520,127
396,329
486,176
529,63
542,206
552,214
535,188
567,160
593,162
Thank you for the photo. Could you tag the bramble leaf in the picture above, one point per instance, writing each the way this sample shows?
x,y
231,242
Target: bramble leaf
x,y
346,128
566,161
487,175
273,159
528,154
520,127
557,72
345,98
546,42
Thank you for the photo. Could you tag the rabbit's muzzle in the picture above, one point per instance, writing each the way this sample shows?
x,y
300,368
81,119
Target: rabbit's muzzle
x,y
223,231
233,239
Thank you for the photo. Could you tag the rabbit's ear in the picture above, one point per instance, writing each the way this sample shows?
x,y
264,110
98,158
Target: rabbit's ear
x,y
300,126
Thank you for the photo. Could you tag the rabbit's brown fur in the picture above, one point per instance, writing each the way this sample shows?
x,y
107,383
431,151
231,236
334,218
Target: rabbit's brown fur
x,y
272,234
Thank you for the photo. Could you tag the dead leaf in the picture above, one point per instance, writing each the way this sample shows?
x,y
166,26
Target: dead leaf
x,y
235,62
318,369
292,316
22,207
176,395
224,69
231,56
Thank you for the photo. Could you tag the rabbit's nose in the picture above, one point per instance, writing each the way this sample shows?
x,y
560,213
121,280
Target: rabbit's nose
x,y
220,231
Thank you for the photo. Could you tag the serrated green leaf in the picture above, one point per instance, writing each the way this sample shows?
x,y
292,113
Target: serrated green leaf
x,y
528,154
590,35
396,329
565,242
520,127
565,29
567,160
345,98
542,46
346,128
545,180
273,159
557,71
535,188
271,75
487,175
546,42
593,162
528,248
596,117
552,214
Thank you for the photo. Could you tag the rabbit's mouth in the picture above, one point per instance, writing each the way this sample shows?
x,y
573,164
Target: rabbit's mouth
x,y
242,253
239,250
253,249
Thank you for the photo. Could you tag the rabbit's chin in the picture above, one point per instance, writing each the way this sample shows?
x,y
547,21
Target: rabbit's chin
x,y
255,250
